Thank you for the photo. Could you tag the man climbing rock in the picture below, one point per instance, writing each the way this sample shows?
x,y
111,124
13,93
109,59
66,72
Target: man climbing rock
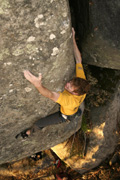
x,y
70,99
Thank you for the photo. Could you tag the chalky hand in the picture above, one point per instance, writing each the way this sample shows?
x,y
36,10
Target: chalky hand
x,y
36,81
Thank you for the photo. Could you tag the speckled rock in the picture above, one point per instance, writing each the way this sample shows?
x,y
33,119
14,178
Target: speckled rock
x,y
35,35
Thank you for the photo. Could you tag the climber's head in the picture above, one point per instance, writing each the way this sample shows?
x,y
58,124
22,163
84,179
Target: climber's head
x,y
77,86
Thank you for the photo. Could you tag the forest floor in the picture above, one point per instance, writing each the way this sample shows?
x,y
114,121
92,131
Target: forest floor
x,y
106,171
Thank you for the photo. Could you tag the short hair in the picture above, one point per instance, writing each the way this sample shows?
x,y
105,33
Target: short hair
x,y
82,86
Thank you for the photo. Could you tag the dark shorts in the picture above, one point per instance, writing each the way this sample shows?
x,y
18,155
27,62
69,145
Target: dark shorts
x,y
55,118
52,119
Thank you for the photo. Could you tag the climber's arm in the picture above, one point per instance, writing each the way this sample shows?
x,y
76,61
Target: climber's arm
x,y
36,81
77,53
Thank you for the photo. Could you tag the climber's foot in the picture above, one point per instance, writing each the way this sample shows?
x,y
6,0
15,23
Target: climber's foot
x,y
24,134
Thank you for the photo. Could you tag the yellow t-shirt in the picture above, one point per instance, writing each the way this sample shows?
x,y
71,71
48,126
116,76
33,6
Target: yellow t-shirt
x,y
69,102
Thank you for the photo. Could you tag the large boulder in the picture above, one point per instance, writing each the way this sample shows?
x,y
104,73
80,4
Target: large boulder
x,y
35,35
102,46
97,25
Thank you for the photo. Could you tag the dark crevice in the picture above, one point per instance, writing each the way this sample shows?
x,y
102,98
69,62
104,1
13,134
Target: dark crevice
x,y
80,18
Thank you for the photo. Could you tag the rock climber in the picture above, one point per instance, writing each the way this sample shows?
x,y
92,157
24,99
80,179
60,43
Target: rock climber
x,y
70,99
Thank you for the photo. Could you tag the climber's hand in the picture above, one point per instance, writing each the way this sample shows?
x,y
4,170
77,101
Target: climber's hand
x,y
36,81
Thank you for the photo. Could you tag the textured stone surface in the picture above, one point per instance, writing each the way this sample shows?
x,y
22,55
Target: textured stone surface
x,y
102,141
13,150
97,26
102,46
35,35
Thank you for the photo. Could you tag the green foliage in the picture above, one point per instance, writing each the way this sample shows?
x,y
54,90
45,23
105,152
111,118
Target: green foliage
x,y
84,125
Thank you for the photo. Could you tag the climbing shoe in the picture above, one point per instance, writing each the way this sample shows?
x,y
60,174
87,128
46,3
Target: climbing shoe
x,y
22,134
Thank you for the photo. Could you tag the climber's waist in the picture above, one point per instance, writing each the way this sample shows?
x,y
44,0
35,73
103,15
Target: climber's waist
x,y
71,117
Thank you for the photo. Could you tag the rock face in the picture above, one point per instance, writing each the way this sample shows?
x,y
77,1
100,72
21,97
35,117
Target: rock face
x,y
103,41
43,139
102,140
98,24
35,35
